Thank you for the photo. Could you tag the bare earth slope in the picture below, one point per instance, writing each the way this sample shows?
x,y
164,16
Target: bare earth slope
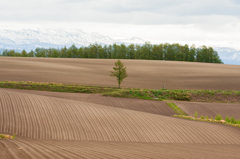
x,y
142,73
55,149
210,109
39,117
48,127
148,106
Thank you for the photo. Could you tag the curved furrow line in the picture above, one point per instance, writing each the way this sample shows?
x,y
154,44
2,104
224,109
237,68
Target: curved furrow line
x,y
6,119
53,148
186,106
42,117
33,120
26,110
73,119
11,151
120,119
88,150
39,126
96,134
154,107
210,109
201,136
47,105
34,150
2,114
153,134
101,125
109,124
59,123
164,134
175,132
197,133
121,135
56,126
107,150
133,104
45,151
52,118
204,129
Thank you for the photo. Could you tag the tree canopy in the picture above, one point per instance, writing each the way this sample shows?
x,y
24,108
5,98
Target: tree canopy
x,y
119,72
147,51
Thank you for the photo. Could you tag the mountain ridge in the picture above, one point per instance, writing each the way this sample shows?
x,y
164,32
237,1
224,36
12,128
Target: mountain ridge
x,y
28,39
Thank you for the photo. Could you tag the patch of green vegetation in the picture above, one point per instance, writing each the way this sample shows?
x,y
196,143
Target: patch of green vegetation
x,y
196,114
3,136
227,119
149,94
56,87
130,93
172,94
233,120
181,96
176,108
218,119
14,136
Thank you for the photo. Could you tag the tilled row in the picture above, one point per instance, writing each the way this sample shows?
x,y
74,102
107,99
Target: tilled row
x,y
51,149
40,117
148,106
210,109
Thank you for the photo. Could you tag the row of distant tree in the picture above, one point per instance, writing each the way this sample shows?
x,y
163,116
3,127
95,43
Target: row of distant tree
x,y
166,51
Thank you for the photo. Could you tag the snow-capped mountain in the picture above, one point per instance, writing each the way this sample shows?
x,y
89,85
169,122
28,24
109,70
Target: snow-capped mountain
x,y
42,37
19,39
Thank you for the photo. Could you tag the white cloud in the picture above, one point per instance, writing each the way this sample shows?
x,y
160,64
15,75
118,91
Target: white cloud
x,y
157,20
125,11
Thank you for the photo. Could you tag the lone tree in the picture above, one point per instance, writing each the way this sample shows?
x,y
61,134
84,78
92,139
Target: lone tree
x,y
119,72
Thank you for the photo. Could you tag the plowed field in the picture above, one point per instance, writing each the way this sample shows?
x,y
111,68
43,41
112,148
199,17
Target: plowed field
x,y
210,109
142,73
40,117
50,127
54,149
148,106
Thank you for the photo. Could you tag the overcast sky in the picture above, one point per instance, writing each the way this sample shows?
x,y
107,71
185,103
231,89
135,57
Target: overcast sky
x,y
160,20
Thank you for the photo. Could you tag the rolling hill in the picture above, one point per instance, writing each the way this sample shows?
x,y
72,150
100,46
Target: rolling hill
x,y
142,73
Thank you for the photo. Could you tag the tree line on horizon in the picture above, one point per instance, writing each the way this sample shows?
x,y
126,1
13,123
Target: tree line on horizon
x,y
147,51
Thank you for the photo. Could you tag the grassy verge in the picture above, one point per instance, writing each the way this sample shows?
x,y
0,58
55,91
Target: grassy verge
x,y
150,94
162,94
56,87
218,119
176,109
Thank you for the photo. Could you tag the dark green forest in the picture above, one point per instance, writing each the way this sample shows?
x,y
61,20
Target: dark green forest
x,y
147,51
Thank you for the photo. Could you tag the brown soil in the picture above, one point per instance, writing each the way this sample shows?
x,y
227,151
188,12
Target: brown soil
x,y
49,125
142,73
148,106
210,109
217,97
27,148
39,117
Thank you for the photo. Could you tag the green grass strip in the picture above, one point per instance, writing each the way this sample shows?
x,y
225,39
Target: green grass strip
x,y
176,108
148,94
207,120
